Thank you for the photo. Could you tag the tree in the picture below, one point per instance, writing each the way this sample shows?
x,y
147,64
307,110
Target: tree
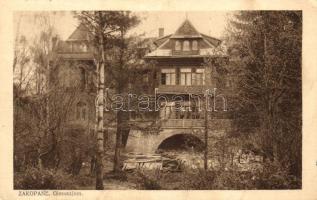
x,y
266,46
30,65
124,60
123,55
102,27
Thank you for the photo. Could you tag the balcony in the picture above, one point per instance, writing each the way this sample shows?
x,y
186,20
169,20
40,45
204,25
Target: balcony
x,y
182,89
185,53
183,123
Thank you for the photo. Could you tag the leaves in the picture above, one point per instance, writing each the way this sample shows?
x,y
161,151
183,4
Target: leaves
x,y
266,47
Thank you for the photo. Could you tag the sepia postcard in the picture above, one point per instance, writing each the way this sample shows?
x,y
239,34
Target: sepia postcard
x,y
158,99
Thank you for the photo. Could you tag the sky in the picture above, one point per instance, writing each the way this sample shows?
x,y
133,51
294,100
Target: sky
x,y
212,23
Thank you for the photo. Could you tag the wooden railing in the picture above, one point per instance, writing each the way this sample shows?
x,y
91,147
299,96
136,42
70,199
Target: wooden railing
x,y
183,123
176,89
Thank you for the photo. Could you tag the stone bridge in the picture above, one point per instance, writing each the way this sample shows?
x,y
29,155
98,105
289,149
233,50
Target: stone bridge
x,y
139,142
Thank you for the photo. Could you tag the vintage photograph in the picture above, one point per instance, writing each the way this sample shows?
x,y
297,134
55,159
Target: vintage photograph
x,y
157,100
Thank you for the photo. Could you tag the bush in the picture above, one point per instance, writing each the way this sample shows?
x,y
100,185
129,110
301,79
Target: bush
x,y
274,176
84,180
34,178
149,180
120,176
200,180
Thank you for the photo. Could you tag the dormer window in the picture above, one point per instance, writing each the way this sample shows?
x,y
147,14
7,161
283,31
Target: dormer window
x,y
195,45
178,45
186,45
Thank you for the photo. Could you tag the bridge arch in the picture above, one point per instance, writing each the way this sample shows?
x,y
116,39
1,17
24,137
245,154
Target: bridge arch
x,y
181,141
140,142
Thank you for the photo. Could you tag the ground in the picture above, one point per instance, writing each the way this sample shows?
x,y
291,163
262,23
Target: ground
x,y
170,176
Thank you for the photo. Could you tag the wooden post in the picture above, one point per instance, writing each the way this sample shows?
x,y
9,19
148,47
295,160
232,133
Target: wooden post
x,y
206,133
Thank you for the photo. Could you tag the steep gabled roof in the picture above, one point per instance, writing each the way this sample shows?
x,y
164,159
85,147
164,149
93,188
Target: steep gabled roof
x,y
215,42
186,30
161,40
80,33
207,44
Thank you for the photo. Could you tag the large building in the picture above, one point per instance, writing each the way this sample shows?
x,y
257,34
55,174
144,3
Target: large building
x,y
188,64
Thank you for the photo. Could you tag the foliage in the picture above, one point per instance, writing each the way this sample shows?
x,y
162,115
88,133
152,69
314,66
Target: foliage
x,y
272,177
265,47
35,178
83,180
149,180
117,175
275,176
123,53
41,104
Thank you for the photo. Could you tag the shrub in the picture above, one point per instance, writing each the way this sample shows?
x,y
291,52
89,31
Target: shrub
x,y
201,180
274,176
120,175
34,178
84,180
149,180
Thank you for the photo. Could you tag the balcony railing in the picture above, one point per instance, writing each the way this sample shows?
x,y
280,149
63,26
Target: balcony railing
x,y
183,123
183,89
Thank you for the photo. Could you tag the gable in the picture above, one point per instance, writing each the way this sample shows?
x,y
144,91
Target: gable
x,y
186,30
80,33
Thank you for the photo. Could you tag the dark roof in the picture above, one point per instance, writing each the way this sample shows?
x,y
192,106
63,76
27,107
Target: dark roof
x,y
80,33
212,40
186,30
161,40
208,44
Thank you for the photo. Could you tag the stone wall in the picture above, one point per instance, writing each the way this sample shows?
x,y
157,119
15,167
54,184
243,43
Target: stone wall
x,y
141,142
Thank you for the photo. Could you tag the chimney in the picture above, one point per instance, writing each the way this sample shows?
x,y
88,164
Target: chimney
x,y
161,32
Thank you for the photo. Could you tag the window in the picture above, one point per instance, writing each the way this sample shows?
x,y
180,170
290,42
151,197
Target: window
x,y
65,75
168,77
186,76
81,111
199,77
145,78
195,45
83,47
186,45
177,45
79,47
83,78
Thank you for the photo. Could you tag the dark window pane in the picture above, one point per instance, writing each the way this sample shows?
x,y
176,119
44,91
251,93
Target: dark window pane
x,y
163,79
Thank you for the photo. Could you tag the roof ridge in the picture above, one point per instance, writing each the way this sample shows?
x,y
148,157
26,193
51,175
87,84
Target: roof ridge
x,y
183,31
164,36
209,36
77,34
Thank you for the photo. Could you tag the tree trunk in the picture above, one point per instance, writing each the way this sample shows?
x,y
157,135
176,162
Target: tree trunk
x,y
100,139
116,165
